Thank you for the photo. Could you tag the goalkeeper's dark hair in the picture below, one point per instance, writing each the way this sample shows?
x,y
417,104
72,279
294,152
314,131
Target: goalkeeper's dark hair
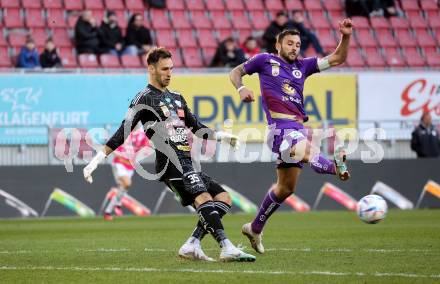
x,y
157,53
285,33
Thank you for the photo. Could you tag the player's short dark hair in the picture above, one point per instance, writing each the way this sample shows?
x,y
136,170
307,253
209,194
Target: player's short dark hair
x,y
285,33
157,53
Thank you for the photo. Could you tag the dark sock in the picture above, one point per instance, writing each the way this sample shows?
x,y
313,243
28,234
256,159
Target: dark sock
x,y
210,219
322,165
222,209
269,205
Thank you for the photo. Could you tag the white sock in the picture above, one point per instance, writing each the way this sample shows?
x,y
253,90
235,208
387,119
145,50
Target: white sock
x,y
110,206
120,193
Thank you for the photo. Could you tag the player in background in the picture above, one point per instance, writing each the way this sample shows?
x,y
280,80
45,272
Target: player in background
x,y
167,120
123,169
282,78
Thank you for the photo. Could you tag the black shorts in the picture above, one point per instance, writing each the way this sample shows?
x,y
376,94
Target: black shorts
x,y
191,184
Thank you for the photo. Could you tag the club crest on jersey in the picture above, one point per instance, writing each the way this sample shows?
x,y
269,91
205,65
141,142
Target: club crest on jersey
x,y
297,73
168,100
165,110
288,89
275,67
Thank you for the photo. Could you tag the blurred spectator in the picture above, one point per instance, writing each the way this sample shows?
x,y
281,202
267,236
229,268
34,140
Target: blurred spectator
x,y
138,38
28,57
425,139
86,34
49,57
228,54
307,36
250,47
161,4
110,35
370,8
275,27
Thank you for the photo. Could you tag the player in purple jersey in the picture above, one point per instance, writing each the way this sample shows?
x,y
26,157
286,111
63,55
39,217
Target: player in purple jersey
x,y
282,79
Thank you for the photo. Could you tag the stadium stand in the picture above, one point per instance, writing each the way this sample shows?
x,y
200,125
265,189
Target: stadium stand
x,y
197,26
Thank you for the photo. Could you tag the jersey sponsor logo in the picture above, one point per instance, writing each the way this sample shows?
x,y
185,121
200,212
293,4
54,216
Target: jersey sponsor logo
x,y
181,113
275,67
178,103
184,148
297,73
165,110
288,89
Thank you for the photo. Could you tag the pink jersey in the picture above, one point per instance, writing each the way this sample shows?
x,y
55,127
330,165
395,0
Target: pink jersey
x,y
126,153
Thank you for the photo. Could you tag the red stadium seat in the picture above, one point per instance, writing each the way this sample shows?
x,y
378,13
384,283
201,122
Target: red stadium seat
x,y
311,5
29,4
219,20
374,59
386,39
55,18
93,4
224,33
429,5
252,5
195,5
61,38
134,5
206,38
360,23
131,61
434,23
17,39
414,58
433,59
259,20
192,58
185,38
336,15
53,4
208,54
234,5
294,5
98,15
109,61
177,57
215,5
122,20
418,23
355,59
34,18
424,39
165,38
319,21
333,5
405,38
180,20
9,4
88,61
394,58
175,5
159,19
327,39
240,20
274,5
379,23
68,60
365,38
115,4
399,23
200,20
409,5
243,35
5,60
39,36
3,41
73,5
12,18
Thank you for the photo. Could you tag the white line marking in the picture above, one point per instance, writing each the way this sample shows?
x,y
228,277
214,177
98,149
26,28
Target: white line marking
x,y
219,271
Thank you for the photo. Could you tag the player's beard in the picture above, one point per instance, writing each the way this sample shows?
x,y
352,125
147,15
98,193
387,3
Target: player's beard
x,y
284,55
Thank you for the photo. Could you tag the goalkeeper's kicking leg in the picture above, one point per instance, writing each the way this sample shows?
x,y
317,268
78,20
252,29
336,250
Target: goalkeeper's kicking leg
x,y
288,171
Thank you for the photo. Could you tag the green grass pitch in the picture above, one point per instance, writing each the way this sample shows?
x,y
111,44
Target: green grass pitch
x,y
318,247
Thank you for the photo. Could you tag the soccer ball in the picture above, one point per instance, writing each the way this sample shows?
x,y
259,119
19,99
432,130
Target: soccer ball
x,y
372,209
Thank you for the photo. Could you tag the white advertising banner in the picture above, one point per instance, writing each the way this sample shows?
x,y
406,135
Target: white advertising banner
x,y
398,96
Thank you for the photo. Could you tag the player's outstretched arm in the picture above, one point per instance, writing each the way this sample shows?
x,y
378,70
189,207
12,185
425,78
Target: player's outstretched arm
x,y
236,76
339,56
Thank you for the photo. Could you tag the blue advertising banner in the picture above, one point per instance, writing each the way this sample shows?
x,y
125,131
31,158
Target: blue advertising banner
x,y
29,103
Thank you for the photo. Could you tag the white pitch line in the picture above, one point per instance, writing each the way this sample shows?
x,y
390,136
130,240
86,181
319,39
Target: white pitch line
x,y
219,271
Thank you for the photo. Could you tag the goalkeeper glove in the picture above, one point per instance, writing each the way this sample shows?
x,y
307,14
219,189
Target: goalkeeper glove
x,y
88,170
